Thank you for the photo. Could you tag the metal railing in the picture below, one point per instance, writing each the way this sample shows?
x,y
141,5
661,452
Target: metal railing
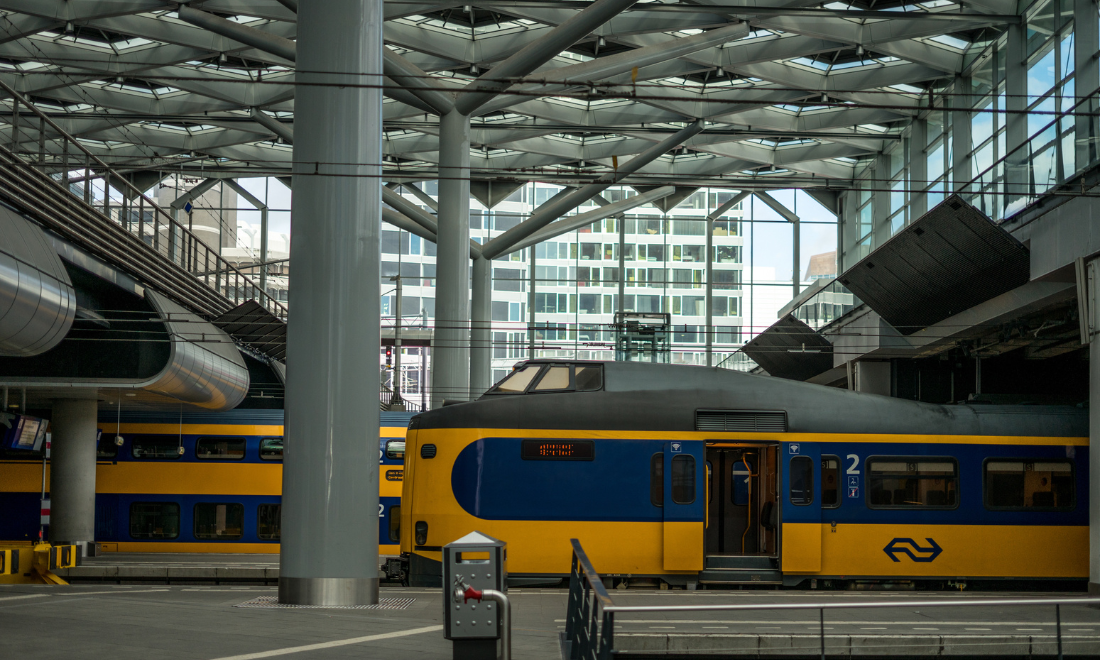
x,y
590,615
143,238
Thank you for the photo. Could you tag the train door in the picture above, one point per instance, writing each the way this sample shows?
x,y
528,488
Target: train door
x,y
742,507
683,505
801,507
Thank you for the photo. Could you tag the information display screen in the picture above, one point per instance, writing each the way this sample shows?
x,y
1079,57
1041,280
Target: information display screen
x,y
559,450
22,432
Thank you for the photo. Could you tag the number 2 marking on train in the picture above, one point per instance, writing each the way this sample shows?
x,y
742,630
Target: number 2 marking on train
x,y
854,467
381,510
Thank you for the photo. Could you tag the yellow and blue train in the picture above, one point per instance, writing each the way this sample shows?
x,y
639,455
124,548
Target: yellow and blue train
x,y
697,475
196,482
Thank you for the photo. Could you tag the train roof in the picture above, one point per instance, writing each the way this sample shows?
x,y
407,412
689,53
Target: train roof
x,y
662,397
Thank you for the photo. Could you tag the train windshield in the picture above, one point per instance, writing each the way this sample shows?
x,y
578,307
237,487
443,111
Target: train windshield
x,y
553,378
518,380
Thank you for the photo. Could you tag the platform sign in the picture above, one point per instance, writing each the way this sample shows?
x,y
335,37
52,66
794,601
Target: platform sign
x,y
22,431
45,519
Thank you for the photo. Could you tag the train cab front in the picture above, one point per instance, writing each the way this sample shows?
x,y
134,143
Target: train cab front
x,y
439,497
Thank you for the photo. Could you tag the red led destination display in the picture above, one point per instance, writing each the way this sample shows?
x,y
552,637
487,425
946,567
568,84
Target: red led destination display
x,y
559,450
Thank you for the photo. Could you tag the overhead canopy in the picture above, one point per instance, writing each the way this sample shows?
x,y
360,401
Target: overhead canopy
x,y
257,327
949,260
791,349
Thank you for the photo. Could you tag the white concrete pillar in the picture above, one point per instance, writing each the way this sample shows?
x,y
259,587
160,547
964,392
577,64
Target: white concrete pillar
x,y
72,471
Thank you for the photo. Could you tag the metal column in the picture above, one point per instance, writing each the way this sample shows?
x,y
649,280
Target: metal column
x,y
918,171
451,348
1091,326
263,249
330,471
481,316
1017,179
962,142
1086,43
72,472
709,327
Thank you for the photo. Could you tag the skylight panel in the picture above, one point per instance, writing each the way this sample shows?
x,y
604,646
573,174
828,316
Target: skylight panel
x,y
948,40
805,61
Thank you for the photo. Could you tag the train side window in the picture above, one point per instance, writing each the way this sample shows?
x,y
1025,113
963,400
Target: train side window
x,y
895,482
589,378
555,378
395,524
219,521
154,520
269,522
271,449
106,449
683,479
517,381
395,450
1046,484
802,480
657,479
160,447
219,448
830,482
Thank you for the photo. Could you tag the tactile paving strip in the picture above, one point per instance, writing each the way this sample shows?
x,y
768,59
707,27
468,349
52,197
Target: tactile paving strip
x,y
272,602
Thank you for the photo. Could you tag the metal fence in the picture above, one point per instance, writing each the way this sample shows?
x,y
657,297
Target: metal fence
x,y
38,160
590,615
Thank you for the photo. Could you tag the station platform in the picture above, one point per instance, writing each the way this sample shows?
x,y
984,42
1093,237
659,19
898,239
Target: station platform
x,y
234,622
169,568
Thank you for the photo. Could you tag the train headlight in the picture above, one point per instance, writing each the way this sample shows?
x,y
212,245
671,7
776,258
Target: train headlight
x,y
421,532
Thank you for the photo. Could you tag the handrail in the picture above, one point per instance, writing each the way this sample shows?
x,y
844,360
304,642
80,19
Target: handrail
x,y
590,615
241,283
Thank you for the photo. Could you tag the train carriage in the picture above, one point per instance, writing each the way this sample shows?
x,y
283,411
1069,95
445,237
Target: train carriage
x,y
196,482
698,475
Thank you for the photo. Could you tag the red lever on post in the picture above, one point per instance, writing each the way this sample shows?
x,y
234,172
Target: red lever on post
x,y
471,594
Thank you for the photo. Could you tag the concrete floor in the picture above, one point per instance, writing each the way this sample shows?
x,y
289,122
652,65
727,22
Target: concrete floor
x,y
202,622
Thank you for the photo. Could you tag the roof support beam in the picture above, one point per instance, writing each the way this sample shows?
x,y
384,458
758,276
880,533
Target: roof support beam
x,y
565,225
613,65
553,210
194,193
417,82
778,207
537,53
269,43
410,210
286,133
292,5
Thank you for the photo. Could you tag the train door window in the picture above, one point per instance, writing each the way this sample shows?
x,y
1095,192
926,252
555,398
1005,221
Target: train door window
x,y
657,479
219,448
741,490
517,381
216,521
802,480
395,450
106,449
160,447
683,479
1029,484
269,522
154,520
911,482
271,449
395,524
555,378
830,482
588,378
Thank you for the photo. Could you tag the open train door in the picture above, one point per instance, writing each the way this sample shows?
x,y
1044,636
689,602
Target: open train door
x,y
683,505
801,508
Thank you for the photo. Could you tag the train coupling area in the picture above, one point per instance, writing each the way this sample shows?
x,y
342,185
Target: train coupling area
x,y
35,563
